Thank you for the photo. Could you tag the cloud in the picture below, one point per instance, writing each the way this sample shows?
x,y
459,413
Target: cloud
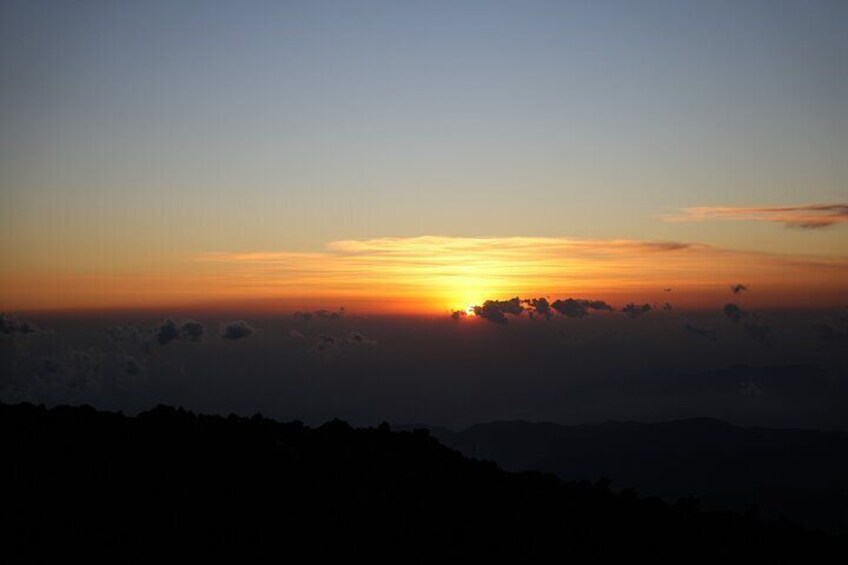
x,y
237,329
357,338
13,326
636,311
495,310
734,313
167,332
808,216
325,343
703,332
667,306
578,307
738,288
458,314
192,330
430,273
539,306
323,314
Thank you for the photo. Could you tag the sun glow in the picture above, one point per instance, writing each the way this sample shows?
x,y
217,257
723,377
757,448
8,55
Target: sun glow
x,y
428,275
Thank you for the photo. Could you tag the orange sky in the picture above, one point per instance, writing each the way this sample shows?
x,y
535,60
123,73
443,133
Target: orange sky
x,y
433,275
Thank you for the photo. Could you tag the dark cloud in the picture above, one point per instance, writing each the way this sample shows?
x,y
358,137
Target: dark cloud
x,y
192,330
325,343
13,326
237,329
579,308
703,332
496,310
734,313
540,307
457,314
667,289
667,306
357,338
738,288
635,310
167,332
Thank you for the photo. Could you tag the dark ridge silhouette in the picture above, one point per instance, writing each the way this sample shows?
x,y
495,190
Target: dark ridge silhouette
x,y
169,485
799,474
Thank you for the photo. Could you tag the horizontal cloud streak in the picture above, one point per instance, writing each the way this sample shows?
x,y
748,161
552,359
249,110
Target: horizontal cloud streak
x,y
809,216
454,272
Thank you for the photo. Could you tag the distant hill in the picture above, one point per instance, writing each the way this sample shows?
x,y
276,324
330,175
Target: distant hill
x,y
802,474
169,485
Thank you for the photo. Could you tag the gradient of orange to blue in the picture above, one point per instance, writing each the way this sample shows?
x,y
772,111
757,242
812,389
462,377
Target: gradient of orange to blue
x,y
420,157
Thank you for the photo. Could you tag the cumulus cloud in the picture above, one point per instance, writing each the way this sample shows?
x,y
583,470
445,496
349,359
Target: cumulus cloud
x,y
167,332
703,332
458,314
579,308
540,307
808,216
738,288
236,330
496,310
635,310
192,330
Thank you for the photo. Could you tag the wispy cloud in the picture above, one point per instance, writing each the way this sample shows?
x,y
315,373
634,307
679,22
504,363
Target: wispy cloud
x,y
457,272
808,216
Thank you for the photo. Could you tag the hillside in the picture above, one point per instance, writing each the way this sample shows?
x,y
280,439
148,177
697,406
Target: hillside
x,y
169,484
800,474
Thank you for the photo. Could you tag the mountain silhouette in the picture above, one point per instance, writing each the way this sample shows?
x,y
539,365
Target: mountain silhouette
x,y
169,485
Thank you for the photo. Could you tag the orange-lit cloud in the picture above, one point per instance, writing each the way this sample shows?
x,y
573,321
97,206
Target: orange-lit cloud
x,y
808,216
443,274
449,272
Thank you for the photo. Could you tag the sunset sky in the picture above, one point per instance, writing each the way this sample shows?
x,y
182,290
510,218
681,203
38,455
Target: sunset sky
x,y
421,157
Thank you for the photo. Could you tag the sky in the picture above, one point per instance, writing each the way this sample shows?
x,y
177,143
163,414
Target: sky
x,y
421,157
